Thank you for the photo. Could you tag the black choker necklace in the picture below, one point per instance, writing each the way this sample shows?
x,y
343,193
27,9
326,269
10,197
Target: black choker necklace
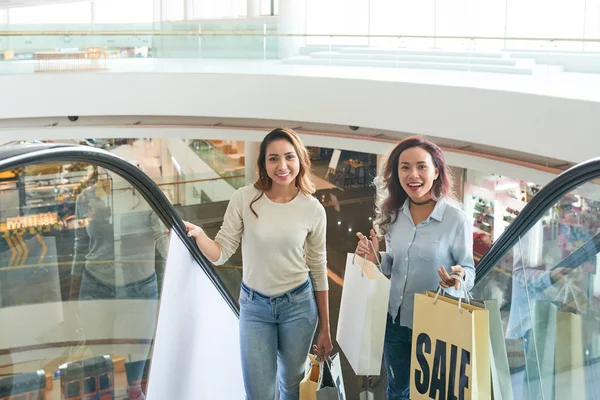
x,y
421,204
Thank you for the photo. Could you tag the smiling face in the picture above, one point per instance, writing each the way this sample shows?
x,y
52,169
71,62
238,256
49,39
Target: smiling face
x,y
417,173
282,163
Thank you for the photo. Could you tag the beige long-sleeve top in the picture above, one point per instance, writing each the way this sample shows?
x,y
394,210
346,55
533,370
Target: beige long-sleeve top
x,y
280,248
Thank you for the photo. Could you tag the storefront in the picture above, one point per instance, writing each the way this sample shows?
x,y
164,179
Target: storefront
x,y
492,202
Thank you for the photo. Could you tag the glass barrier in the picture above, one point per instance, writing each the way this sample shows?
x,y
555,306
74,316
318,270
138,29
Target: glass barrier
x,y
268,47
192,189
221,157
85,47
82,266
548,292
201,199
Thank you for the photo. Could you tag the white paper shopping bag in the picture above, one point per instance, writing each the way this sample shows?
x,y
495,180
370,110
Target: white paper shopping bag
x,y
363,315
331,381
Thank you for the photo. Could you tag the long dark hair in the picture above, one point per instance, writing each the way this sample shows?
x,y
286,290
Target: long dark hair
x,y
303,180
390,194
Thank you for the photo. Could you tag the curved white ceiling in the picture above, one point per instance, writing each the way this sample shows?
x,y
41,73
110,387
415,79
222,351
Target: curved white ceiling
x,y
551,126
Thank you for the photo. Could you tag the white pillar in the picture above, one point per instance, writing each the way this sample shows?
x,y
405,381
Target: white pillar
x,y
7,22
3,17
159,10
188,9
292,20
93,40
93,12
251,152
252,8
380,160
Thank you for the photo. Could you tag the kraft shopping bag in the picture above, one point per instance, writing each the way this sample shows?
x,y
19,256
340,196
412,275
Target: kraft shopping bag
x,y
310,383
450,350
569,358
501,381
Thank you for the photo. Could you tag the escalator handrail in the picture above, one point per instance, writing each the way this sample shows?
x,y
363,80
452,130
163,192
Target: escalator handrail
x,y
47,153
536,208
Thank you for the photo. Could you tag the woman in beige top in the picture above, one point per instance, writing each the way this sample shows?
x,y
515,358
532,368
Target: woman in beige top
x,y
284,287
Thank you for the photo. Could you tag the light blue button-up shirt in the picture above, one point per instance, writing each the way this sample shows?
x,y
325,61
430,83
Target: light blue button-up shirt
x,y
414,253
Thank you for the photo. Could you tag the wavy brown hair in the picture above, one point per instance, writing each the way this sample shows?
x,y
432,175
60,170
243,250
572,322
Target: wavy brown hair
x,y
303,181
390,194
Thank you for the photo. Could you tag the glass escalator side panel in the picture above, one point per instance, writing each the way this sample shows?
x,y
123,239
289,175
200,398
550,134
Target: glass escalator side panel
x,y
548,289
81,265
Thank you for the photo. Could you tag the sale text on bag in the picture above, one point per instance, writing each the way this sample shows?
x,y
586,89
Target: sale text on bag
x,y
439,380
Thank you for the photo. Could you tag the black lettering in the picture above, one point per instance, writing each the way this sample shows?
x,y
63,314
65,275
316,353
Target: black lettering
x,y
438,376
422,378
465,359
452,373
338,385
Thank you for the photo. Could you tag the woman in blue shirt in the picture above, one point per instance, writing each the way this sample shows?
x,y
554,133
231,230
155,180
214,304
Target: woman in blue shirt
x,y
427,238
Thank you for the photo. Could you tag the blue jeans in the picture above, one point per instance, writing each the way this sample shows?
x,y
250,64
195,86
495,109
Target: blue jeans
x,y
396,350
275,337
146,289
93,289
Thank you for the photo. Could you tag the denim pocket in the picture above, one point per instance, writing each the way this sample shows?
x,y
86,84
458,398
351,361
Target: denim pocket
x,y
306,294
243,296
147,291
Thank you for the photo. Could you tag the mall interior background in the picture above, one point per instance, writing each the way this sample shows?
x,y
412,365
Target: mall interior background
x,y
498,167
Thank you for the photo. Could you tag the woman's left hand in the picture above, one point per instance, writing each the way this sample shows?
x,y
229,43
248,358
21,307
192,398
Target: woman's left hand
x,y
324,345
447,280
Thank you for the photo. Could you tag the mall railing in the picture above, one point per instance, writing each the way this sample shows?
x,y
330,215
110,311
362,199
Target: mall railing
x,y
193,189
229,166
98,47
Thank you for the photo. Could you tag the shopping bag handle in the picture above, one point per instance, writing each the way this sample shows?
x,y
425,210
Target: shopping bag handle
x,y
565,297
567,288
362,268
327,361
463,291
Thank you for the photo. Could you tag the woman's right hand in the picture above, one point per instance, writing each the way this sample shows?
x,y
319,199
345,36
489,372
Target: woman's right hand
x,y
365,250
192,230
208,247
